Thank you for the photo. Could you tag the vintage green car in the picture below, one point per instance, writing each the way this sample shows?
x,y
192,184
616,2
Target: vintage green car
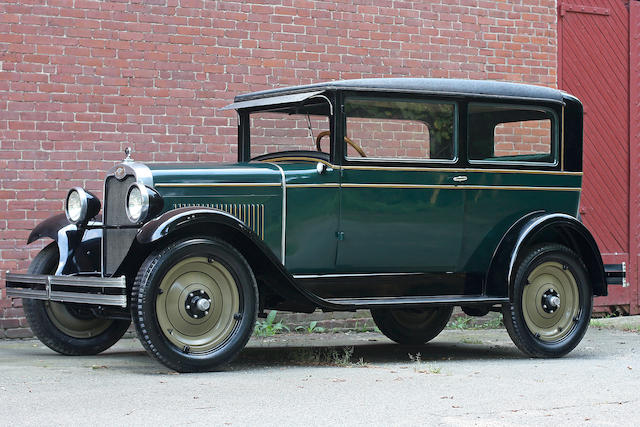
x,y
403,196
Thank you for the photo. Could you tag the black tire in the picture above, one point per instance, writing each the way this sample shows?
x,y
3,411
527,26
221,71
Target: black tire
x,y
69,329
165,301
411,326
541,329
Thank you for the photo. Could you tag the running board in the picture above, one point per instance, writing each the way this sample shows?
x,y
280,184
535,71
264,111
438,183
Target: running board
x,y
417,301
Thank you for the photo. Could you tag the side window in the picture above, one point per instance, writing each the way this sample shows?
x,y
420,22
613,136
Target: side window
x,y
399,129
511,133
273,132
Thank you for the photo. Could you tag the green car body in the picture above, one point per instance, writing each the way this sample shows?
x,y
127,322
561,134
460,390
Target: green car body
x,y
400,233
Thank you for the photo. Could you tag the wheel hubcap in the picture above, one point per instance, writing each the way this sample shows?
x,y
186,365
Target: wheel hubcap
x,y
196,304
550,302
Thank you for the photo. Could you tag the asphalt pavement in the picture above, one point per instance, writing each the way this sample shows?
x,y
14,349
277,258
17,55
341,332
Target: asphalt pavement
x,y
462,378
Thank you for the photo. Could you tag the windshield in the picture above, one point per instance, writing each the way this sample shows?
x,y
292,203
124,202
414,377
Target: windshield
x,y
299,129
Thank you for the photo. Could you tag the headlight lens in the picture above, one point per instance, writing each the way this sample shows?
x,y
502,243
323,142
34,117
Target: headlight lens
x,y
74,206
142,203
136,203
80,205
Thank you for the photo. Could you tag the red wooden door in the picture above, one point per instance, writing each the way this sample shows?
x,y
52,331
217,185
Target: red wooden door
x,y
594,66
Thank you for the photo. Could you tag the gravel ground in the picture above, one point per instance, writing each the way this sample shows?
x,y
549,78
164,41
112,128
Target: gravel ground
x,y
463,377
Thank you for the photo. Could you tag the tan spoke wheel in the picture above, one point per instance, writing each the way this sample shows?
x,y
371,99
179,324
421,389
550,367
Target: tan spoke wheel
x,y
197,305
75,325
550,301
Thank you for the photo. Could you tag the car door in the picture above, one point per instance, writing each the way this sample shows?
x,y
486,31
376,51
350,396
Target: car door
x,y
400,210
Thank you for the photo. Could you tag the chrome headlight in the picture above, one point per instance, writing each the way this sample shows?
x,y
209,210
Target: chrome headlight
x,y
142,202
80,205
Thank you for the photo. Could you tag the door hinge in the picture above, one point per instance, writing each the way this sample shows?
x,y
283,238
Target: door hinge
x,y
576,8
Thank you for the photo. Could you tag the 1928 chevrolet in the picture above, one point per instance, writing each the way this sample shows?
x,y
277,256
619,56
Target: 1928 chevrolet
x,y
403,196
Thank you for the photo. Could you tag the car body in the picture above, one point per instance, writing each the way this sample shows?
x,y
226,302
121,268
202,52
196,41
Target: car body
x,y
403,196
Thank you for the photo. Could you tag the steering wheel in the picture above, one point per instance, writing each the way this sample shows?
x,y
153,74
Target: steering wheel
x,y
346,139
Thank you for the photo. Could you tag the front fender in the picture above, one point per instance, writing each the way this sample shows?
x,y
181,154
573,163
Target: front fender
x,y
172,221
48,228
79,249
537,228
183,222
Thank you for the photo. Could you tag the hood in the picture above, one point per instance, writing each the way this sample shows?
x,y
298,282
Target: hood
x,y
173,175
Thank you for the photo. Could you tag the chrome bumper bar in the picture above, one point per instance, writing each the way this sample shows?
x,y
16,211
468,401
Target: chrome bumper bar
x,y
78,289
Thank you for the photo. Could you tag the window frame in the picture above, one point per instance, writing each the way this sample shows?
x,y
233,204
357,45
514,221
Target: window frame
x,y
396,162
554,143
244,126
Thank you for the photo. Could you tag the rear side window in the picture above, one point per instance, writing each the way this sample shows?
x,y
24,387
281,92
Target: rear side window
x,y
512,133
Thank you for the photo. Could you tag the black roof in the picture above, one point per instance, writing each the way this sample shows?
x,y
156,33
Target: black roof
x,y
458,87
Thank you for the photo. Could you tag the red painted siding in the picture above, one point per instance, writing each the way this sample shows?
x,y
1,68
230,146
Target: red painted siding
x,y
595,64
634,144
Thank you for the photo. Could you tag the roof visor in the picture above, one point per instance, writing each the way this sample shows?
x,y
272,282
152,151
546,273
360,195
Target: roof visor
x,y
272,100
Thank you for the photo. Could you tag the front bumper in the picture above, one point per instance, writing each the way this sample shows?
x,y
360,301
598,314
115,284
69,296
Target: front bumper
x,y
108,291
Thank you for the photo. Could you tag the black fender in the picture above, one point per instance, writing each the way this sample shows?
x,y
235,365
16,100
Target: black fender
x,y
79,249
541,227
182,222
48,228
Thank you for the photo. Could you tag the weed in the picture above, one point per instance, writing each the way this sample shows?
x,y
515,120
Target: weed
x,y
461,322
269,326
631,328
468,322
365,327
327,356
493,323
597,323
467,340
422,368
341,358
313,327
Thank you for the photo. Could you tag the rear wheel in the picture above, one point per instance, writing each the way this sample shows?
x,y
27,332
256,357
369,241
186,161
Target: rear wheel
x,y
194,304
411,326
551,302
69,329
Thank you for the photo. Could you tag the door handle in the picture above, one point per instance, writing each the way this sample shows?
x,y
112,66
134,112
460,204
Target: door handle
x,y
460,178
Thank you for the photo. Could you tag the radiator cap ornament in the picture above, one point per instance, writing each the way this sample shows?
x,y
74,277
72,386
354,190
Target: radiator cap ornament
x,y
127,152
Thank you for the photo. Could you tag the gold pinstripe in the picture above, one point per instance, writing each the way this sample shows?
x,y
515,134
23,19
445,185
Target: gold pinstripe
x,y
426,168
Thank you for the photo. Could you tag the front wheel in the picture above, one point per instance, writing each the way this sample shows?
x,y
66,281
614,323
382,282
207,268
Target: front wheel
x,y
194,304
411,326
551,302
69,329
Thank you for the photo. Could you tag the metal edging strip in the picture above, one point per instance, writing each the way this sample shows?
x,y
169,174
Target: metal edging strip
x,y
284,211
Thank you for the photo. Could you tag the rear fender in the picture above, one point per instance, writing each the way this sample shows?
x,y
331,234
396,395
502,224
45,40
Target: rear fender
x,y
539,227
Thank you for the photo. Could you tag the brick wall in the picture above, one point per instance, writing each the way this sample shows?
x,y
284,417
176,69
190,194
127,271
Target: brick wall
x,y
81,80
